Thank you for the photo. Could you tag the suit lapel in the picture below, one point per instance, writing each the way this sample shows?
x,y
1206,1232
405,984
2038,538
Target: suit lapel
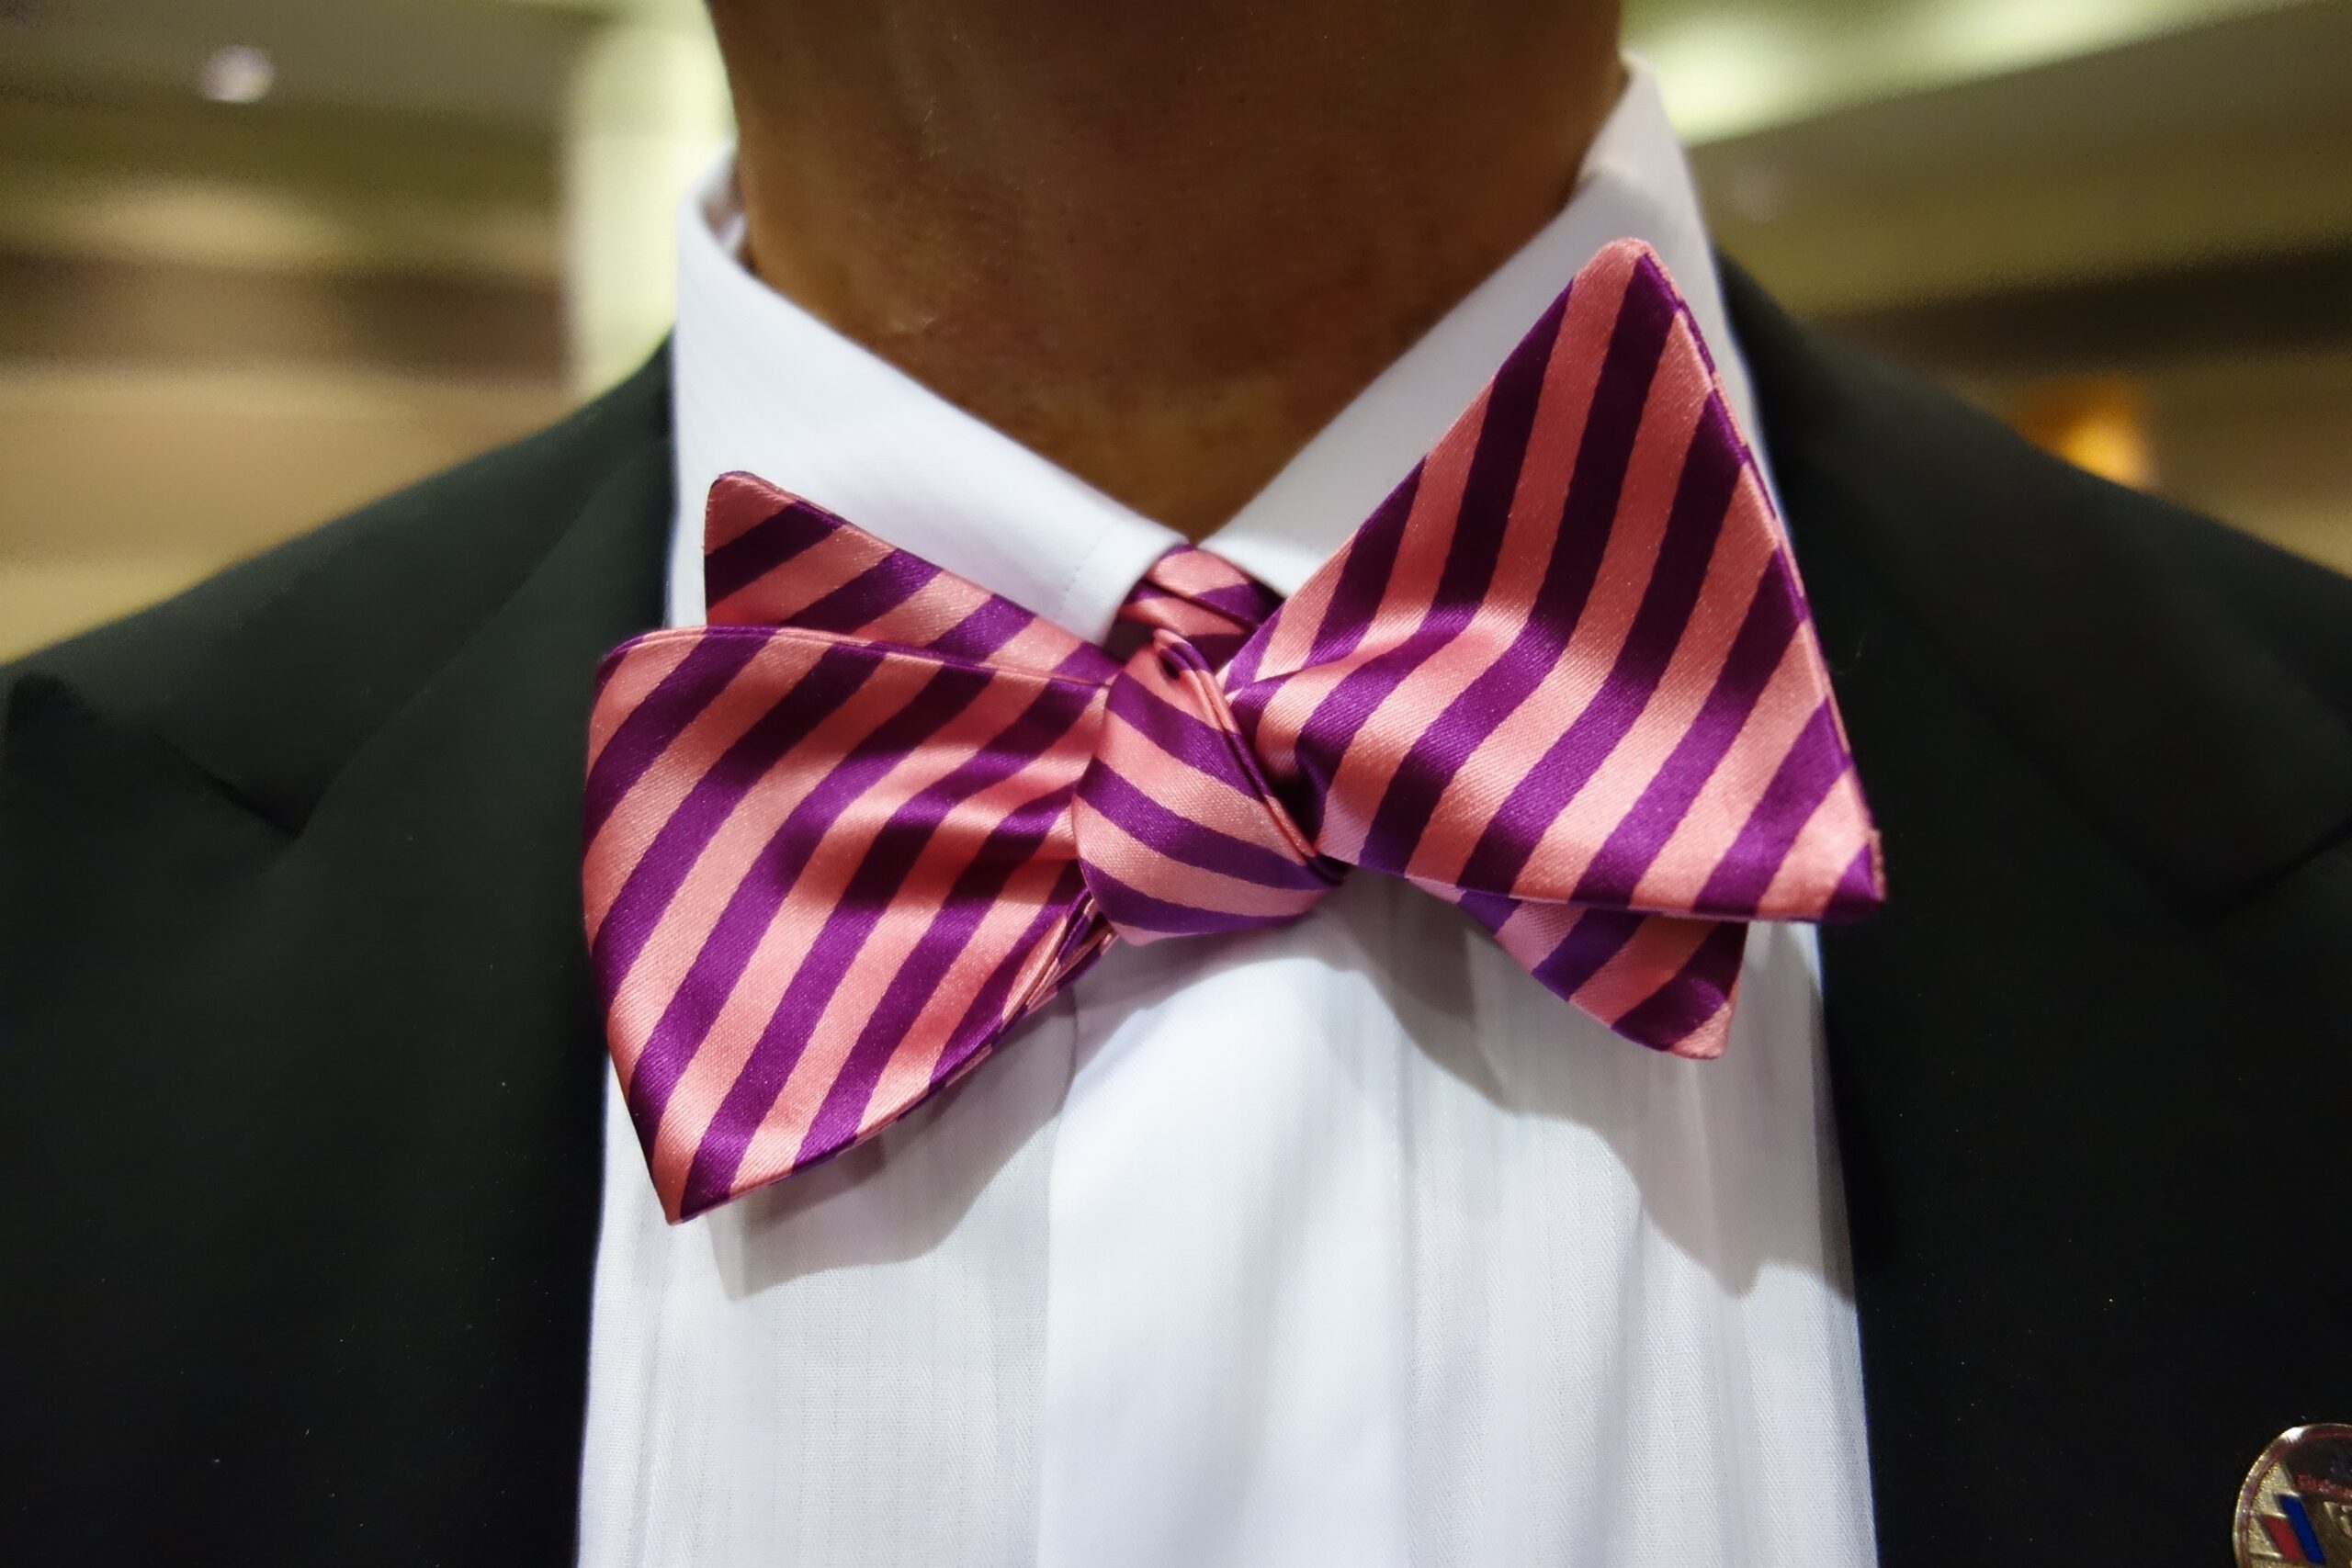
x,y
328,957
2097,1010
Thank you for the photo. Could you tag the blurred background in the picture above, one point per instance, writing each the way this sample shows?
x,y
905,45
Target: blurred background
x,y
261,260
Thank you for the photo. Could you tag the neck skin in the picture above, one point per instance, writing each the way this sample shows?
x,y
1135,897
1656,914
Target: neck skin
x,y
1160,242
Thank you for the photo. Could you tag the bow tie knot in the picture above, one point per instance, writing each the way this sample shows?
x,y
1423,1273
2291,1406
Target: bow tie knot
x,y
1178,832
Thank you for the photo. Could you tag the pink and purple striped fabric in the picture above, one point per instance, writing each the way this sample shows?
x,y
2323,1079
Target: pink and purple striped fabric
x,y
844,838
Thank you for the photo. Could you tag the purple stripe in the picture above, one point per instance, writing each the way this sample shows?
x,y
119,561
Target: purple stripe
x,y
1698,991
676,701
1592,942
1248,601
979,635
972,1038
1143,601
662,870
1700,500
1858,890
1201,745
1217,649
1370,559
1009,847
1087,662
1364,575
761,548
1193,843
977,1026
880,589
1489,909
1135,909
1633,845
879,874
1462,583
1803,781
1587,512
1245,602
753,904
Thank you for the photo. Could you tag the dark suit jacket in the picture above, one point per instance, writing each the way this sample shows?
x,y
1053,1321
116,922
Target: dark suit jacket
x,y
302,1128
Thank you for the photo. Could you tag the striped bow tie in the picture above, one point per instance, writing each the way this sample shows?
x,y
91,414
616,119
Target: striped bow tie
x,y
843,839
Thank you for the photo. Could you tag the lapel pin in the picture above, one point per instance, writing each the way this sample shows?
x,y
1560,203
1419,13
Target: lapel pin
x,y
2296,1505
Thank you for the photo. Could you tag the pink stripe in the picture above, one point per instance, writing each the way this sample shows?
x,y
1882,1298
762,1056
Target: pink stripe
x,y
1404,600
684,928
1205,796
1196,574
909,917
1530,538
1136,863
764,681
1652,956
922,618
1300,620
1533,930
784,593
1713,824
1706,1041
1567,847
643,665
1040,646
1188,619
738,505
800,916
1485,780
1801,889
907,1078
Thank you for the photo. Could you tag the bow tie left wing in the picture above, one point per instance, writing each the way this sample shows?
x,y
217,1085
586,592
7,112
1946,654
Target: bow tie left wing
x,y
828,861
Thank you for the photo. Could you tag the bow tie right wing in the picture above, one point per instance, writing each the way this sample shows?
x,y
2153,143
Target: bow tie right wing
x,y
1565,676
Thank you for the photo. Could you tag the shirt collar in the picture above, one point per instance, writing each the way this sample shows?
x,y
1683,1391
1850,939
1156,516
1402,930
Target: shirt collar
x,y
761,384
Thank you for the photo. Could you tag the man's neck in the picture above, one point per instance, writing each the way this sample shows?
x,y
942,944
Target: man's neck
x,y
1161,243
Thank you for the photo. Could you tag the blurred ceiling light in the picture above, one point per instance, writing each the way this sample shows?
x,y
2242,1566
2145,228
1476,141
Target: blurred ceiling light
x,y
1728,68
2099,423
1724,71
1986,37
237,74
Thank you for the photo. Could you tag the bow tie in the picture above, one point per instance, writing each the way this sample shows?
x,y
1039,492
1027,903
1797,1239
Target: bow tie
x,y
843,839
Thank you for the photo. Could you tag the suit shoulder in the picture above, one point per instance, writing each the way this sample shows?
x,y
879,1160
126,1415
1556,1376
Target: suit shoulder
x,y
2185,688
2297,609
1981,521
429,548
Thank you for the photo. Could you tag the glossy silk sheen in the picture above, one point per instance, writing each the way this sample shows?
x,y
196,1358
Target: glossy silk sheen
x,y
840,841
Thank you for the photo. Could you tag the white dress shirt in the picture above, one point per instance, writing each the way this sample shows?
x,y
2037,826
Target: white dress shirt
x,y
1342,1243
